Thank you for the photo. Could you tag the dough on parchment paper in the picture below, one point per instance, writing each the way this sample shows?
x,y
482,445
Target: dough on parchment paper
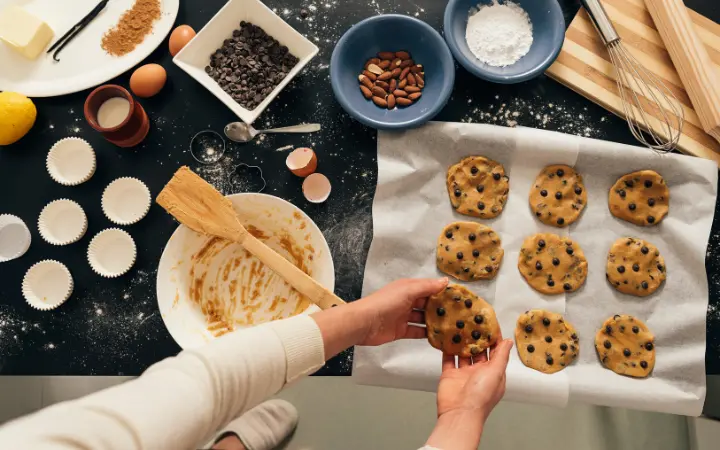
x,y
552,264
626,346
460,323
635,267
469,251
558,196
545,341
478,187
640,197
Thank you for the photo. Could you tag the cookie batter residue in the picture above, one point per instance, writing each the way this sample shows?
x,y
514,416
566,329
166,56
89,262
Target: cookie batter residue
x,y
233,288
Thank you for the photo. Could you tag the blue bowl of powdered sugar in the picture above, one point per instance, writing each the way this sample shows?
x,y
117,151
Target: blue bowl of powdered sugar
x,y
504,41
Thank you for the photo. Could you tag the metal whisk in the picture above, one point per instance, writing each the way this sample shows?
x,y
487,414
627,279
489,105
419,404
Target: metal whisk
x,y
653,112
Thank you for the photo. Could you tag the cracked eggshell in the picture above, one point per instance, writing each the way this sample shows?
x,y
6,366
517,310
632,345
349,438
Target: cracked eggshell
x,y
316,188
302,162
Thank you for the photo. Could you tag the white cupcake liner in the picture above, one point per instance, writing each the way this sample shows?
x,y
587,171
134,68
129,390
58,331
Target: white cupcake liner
x,y
47,285
126,200
62,222
14,237
71,161
112,253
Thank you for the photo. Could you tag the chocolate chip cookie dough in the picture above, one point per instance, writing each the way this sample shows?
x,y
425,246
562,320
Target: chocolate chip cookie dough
x,y
469,251
640,197
558,196
478,187
552,264
635,267
626,346
545,342
460,323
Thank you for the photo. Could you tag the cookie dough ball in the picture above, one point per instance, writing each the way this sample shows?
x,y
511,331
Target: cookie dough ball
x,y
640,197
469,251
545,342
626,346
558,196
478,187
552,264
460,323
635,267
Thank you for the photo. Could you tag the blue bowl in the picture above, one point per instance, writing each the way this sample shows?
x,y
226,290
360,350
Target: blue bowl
x,y
548,36
392,32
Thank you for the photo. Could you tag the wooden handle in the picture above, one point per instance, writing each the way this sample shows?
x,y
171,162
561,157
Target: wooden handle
x,y
691,60
298,279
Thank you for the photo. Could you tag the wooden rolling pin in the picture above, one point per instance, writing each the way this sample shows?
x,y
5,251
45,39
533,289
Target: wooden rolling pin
x,y
691,60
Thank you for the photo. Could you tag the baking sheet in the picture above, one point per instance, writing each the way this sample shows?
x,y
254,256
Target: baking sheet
x,y
411,207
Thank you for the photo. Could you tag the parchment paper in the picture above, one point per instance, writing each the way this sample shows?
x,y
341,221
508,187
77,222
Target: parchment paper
x,y
411,207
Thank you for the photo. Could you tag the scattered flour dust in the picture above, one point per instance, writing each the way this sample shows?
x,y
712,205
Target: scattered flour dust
x,y
499,34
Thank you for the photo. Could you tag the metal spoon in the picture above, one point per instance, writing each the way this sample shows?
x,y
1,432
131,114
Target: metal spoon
x,y
242,132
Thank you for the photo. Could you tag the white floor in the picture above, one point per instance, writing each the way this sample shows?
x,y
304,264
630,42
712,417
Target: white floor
x,y
335,413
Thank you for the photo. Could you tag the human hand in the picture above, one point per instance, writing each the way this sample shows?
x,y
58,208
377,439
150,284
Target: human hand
x,y
390,311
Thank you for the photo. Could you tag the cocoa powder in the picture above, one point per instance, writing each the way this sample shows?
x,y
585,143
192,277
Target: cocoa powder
x,y
135,23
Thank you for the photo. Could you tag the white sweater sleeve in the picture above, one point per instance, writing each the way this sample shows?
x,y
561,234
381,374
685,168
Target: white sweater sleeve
x,y
182,401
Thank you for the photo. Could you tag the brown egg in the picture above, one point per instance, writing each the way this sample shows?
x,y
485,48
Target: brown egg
x,y
180,37
148,80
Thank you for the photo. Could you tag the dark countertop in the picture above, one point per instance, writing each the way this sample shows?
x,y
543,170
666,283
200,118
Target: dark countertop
x,y
113,327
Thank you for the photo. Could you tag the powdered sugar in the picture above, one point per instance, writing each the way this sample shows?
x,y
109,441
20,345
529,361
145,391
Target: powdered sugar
x,y
499,34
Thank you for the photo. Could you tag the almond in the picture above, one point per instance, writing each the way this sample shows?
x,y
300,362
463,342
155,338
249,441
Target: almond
x,y
365,91
365,81
401,101
420,81
372,61
402,55
402,83
384,64
397,93
386,55
377,91
385,76
390,101
412,89
411,79
381,102
374,69
396,62
383,85
415,95
396,72
370,75
404,73
406,63
416,68
393,85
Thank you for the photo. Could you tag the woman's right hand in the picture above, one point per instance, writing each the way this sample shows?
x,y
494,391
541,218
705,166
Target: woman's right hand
x,y
467,393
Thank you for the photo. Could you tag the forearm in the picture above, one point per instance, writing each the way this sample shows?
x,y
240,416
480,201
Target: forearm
x,y
342,327
457,431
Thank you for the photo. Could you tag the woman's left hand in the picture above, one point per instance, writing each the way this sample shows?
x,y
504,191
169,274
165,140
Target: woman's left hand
x,y
391,310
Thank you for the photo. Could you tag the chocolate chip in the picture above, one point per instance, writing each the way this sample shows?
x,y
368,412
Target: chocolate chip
x,y
528,328
621,269
474,170
548,339
481,206
458,192
496,176
622,328
608,329
543,193
546,321
578,190
459,255
636,330
480,188
538,265
643,364
574,337
560,221
651,219
563,346
649,346
636,268
441,312
488,269
472,237
651,202
644,250
474,351
607,344
569,250
475,335
627,352
567,286
448,234
468,303
549,361
550,283
558,195
479,319
660,267
644,284
466,270
457,338
460,324
476,253
648,184
621,192
629,183
541,243
556,262
632,206
530,348
560,172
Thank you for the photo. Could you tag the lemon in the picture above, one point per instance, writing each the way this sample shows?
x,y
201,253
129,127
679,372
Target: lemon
x,y
17,116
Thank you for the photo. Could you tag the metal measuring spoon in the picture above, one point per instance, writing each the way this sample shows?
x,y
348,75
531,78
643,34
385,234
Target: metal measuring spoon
x,y
242,132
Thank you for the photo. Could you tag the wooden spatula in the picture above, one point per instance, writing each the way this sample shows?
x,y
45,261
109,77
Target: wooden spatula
x,y
198,206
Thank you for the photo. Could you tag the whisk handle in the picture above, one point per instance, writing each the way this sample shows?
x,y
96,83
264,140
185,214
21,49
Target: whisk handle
x,y
601,20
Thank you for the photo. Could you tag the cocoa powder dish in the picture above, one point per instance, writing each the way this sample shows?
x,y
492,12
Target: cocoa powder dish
x,y
392,79
135,23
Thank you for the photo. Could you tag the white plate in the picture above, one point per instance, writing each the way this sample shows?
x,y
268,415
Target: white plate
x,y
228,270
83,63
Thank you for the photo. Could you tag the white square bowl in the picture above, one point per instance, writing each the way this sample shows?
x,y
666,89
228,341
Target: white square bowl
x,y
196,55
